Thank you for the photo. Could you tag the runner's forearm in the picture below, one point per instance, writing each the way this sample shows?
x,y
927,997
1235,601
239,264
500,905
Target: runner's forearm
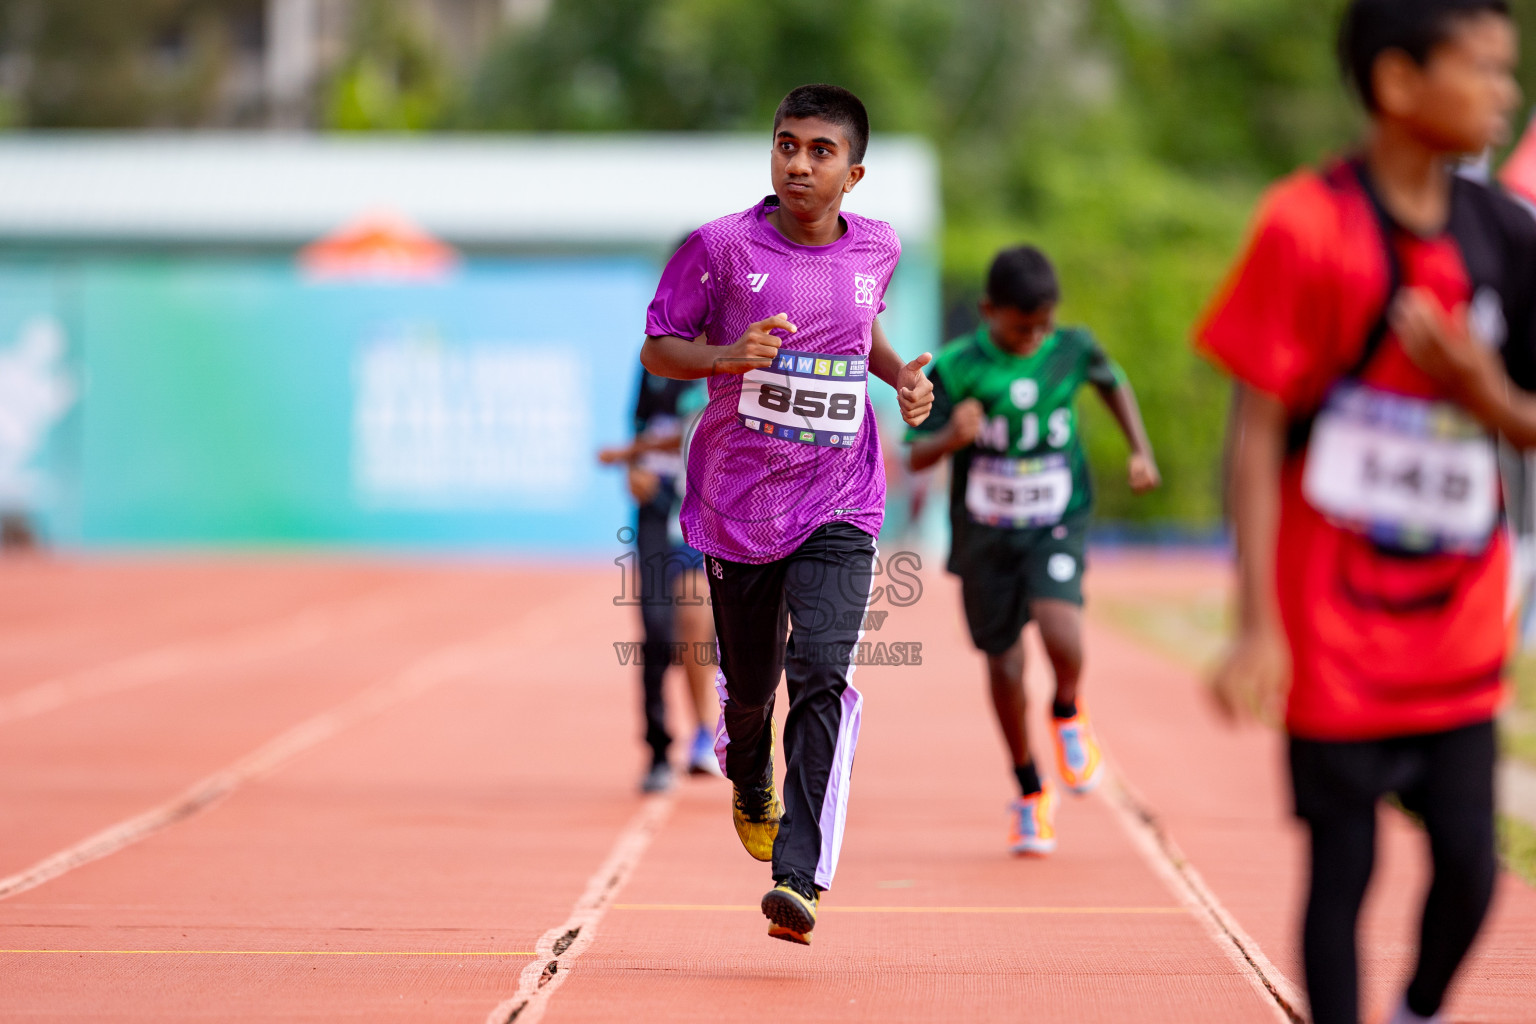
x,y
1121,400
678,358
1508,411
1257,452
883,360
929,451
671,443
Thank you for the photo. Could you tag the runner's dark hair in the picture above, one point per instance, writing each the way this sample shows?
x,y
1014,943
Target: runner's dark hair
x,y
1416,27
830,103
1022,278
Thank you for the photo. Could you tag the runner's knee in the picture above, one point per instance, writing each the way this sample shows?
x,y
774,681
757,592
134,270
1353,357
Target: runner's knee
x,y
1465,858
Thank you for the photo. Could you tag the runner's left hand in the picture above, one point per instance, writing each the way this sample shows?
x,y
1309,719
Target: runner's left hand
x,y
643,484
1143,474
915,390
1445,349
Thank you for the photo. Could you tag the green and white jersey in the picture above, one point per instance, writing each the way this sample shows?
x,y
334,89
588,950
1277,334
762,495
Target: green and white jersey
x,y
1026,469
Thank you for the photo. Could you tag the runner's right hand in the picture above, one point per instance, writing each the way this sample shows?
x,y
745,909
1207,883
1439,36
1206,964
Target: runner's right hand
x,y
965,422
614,456
756,348
643,484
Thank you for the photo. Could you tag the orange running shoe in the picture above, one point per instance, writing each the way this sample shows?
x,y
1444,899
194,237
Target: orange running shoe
x,y
1078,758
1034,823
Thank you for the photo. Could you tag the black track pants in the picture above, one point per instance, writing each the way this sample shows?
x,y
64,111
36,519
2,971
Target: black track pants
x,y
1447,779
800,616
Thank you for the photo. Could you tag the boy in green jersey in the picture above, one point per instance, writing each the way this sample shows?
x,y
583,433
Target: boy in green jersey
x,y
1020,498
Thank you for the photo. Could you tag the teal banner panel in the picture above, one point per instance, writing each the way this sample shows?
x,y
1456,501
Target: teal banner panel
x,y
236,403
39,396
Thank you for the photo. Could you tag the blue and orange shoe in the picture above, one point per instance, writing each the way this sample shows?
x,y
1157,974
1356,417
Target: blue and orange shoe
x,y
1403,1015
1078,758
1033,819
792,915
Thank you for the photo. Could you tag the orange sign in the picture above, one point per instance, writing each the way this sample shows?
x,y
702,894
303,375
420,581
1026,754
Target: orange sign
x,y
378,245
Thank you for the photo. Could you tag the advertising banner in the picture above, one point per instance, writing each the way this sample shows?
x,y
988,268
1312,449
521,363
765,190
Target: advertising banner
x,y
246,401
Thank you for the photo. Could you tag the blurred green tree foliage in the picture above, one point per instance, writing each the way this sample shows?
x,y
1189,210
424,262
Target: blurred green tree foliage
x,y
1126,137
391,78
119,64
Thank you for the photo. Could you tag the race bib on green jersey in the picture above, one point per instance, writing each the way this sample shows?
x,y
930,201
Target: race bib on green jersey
x,y
1017,493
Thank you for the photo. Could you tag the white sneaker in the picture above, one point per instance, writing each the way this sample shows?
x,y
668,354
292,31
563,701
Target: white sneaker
x,y
657,779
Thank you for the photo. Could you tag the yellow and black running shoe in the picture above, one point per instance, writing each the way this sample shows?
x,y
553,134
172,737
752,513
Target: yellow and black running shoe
x,y
756,813
792,915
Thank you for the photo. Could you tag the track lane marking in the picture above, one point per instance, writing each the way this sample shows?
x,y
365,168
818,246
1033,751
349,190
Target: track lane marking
x,y
287,634
1162,854
915,910
454,660
260,952
560,947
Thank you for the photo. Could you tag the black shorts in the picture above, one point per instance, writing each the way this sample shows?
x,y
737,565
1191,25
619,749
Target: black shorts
x,y
663,554
1453,768
1002,571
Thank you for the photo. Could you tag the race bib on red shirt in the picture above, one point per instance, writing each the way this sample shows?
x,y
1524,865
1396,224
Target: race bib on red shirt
x,y
1412,474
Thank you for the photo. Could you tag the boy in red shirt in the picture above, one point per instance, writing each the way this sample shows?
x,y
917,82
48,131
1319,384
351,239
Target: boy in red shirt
x,y
1380,328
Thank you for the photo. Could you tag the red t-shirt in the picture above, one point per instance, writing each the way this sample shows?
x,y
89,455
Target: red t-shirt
x,y
1383,644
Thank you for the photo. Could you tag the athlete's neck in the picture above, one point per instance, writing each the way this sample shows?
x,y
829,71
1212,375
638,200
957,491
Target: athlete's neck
x,y
824,229
1412,180
1023,351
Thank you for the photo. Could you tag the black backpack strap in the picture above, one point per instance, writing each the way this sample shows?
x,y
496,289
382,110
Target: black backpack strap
x,y
1299,431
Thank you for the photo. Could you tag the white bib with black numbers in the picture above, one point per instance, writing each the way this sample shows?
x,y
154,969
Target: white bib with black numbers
x,y
1002,491
1413,474
806,398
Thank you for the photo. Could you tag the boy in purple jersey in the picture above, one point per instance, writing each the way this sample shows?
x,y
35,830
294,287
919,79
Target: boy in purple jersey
x,y
785,480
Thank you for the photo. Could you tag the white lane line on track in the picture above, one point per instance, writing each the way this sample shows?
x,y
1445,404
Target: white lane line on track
x,y
1043,911
1158,849
416,678
559,947
267,952
287,635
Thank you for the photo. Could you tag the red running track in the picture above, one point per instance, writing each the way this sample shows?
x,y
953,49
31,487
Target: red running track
x,y
281,791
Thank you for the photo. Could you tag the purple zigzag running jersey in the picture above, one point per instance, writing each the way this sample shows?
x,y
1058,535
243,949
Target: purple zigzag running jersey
x,y
755,496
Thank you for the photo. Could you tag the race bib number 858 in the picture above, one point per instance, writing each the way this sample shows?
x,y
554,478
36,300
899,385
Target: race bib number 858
x,y
806,398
